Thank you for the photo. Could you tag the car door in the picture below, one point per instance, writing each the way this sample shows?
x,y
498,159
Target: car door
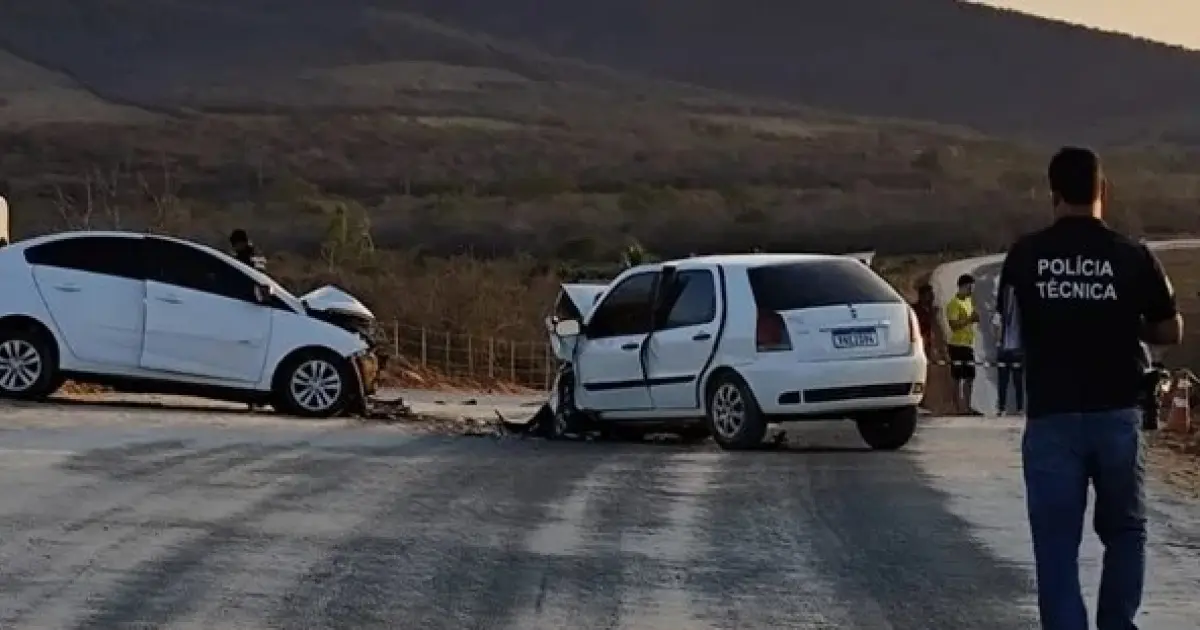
x,y
684,338
93,286
608,361
202,317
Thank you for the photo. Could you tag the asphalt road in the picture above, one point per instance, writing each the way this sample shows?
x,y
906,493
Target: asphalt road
x,y
149,518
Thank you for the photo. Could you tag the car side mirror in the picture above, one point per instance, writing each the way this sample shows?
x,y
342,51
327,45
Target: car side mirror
x,y
568,328
263,293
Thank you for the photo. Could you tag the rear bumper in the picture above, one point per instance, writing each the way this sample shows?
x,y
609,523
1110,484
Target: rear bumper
x,y
830,388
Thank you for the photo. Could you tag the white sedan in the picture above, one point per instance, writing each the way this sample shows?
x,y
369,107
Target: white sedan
x,y
152,314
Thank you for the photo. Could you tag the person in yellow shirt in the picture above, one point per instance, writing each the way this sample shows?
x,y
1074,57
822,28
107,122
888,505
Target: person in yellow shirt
x,y
962,318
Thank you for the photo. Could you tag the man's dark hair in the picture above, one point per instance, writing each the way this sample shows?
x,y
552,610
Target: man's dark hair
x,y
1076,176
238,236
925,289
966,279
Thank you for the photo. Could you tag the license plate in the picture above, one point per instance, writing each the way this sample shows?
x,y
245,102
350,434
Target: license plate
x,y
855,338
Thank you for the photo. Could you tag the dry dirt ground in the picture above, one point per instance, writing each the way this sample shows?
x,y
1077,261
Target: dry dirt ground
x,y
212,517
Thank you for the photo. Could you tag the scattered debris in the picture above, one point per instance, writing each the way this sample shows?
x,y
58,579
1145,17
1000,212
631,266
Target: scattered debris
x,y
388,410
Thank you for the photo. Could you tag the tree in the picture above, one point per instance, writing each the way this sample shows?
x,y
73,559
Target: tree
x,y
348,237
635,255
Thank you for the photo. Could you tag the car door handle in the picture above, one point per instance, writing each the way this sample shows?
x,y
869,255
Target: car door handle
x,y
67,288
170,299
631,346
702,337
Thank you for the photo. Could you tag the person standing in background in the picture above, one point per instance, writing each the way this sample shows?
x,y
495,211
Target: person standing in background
x,y
1009,357
962,318
927,312
1088,299
245,251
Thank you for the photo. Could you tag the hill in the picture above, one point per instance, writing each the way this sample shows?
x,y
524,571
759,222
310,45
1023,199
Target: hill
x,y
944,60
453,168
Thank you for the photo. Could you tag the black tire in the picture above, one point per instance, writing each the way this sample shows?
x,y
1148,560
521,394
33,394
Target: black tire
x,y
733,416
693,433
28,364
297,392
888,430
566,422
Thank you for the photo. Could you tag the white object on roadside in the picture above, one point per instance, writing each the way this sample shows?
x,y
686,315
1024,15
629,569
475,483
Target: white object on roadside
x,y
4,220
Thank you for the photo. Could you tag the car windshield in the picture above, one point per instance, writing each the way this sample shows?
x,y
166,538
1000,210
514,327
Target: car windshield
x,y
815,283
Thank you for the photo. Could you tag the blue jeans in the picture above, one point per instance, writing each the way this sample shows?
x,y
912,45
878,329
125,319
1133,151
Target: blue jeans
x,y
1061,454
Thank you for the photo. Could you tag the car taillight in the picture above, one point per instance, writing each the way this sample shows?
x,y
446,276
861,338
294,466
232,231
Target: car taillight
x,y
914,328
771,333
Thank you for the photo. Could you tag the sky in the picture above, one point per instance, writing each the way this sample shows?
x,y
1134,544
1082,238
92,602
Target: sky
x,y
1171,21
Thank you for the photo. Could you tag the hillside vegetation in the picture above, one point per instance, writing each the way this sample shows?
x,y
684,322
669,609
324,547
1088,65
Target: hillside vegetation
x,y
452,161
945,60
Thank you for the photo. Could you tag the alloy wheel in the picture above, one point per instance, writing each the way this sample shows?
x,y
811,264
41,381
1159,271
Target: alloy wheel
x,y
316,385
728,410
20,365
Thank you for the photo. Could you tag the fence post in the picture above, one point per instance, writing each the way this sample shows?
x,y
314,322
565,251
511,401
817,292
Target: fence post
x,y
470,359
448,353
512,361
424,348
492,358
396,338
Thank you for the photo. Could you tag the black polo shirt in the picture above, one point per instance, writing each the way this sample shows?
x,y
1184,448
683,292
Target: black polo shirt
x,y
1083,292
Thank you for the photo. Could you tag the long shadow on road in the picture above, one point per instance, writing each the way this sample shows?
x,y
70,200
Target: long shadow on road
x,y
456,533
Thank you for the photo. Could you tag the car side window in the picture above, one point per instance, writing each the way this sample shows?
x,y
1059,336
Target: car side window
x,y
625,309
691,300
192,268
109,255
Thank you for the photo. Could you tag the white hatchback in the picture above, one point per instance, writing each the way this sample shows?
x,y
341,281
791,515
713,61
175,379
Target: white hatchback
x,y
739,341
153,314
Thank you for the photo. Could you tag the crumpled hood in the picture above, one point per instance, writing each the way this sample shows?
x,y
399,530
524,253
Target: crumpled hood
x,y
330,299
583,295
576,300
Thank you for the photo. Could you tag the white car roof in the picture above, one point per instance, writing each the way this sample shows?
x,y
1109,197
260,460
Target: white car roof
x,y
741,260
257,275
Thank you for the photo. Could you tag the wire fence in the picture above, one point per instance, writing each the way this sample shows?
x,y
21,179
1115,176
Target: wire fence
x,y
492,359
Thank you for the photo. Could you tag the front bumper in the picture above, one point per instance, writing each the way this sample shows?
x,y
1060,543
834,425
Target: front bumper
x,y
369,366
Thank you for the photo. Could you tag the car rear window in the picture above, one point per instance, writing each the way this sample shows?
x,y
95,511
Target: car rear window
x,y
815,283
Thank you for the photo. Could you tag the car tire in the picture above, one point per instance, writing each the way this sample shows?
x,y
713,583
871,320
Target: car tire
x,y
566,423
733,416
314,384
28,365
889,430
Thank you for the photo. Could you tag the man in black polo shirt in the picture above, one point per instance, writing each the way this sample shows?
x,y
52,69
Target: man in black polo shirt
x,y
1087,297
